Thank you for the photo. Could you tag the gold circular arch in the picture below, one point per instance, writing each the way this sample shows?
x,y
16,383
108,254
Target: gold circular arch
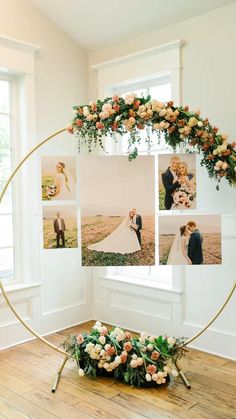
x,y
41,338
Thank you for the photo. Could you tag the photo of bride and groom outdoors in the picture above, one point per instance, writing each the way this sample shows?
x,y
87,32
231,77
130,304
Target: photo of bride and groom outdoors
x,y
190,241
117,210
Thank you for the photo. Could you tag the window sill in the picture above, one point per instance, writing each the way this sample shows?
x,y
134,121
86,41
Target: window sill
x,y
19,286
140,282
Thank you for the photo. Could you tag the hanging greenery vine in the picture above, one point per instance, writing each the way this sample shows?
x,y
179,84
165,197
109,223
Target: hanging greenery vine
x,y
179,125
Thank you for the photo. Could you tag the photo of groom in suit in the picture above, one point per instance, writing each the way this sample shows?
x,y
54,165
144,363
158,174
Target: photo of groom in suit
x,y
59,228
195,253
170,181
137,220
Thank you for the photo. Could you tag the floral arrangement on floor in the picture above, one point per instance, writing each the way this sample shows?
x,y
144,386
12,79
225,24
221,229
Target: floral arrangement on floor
x,y
139,361
91,123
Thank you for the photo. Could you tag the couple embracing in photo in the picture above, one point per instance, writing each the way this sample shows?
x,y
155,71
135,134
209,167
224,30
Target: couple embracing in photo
x,y
187,246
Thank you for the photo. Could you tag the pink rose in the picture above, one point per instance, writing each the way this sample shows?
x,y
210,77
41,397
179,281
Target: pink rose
x,y
80,339
155,355
151,369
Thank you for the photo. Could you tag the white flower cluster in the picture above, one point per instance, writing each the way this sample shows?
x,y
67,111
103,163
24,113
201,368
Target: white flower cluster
x,y
136,361
118,334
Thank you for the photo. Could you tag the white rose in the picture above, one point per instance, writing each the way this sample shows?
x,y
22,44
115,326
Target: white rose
x,y
171,341
144,335
118,359
81,372
102,340
134,356
150,347
174,373
155,377
134,363
107,346
98,324
86,111
200,123
98,348
148,377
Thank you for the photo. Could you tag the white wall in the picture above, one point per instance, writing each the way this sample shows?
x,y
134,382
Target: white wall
x,y
208,83
56,292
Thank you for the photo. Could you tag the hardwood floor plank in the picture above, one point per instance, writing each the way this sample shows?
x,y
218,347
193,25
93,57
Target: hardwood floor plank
x,y
25,406
54,405
9,412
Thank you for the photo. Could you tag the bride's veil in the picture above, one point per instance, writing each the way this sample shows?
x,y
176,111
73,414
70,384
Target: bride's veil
x,y
175,249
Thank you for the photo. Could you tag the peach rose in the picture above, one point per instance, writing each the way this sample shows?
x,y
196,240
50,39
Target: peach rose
x,y
110,351
128,335
155,355
69,129
79,123
116,107
99,125
128,346
151,369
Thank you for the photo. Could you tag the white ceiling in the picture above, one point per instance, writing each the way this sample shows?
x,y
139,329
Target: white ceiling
x,y
100,23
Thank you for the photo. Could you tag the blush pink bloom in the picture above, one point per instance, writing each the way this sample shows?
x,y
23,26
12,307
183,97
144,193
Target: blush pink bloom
x,y
151,369
128,346
80,339
155,355
69,129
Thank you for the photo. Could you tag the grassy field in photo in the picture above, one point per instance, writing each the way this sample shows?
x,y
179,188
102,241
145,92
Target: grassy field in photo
x,y
95,229
161,197
46,181
49,236
211,248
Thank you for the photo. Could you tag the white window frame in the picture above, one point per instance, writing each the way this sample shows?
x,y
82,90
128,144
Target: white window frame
x,y
17,62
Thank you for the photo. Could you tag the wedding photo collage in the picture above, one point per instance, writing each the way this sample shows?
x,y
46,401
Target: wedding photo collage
x,y
123,223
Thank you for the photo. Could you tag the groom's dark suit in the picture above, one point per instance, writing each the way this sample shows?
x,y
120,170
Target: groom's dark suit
x,y
60,231
170,187
139,224
195,248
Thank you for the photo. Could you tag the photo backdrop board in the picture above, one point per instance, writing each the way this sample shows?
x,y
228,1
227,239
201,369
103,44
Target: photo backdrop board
x,y
110,187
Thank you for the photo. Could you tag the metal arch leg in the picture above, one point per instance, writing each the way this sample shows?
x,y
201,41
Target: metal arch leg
x,y
56,381
182,375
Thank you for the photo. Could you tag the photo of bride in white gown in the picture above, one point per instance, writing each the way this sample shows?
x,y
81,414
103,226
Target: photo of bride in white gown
x,y
58,178
122,240
117,210
179,250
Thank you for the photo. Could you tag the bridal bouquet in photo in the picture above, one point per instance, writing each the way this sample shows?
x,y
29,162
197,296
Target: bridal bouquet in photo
x,y
142,361
183,198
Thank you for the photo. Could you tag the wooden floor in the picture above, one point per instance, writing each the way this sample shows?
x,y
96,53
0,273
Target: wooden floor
x,y
28,370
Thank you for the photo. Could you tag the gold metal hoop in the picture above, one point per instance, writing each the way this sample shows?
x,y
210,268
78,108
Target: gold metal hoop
x,y
30,329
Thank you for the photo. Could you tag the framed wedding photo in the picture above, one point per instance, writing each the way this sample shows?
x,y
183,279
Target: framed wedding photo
x,y
117,210
190,240
60,226
177,181
58,178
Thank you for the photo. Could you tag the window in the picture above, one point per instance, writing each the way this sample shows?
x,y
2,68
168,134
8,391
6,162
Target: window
x,y
160,89
6,207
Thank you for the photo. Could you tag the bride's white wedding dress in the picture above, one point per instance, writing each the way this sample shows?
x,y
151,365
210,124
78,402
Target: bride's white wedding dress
x,y
122,240
176,256
66,189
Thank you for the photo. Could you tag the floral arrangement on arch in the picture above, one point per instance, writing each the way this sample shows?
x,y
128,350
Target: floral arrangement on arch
x,y
118,115
139,361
